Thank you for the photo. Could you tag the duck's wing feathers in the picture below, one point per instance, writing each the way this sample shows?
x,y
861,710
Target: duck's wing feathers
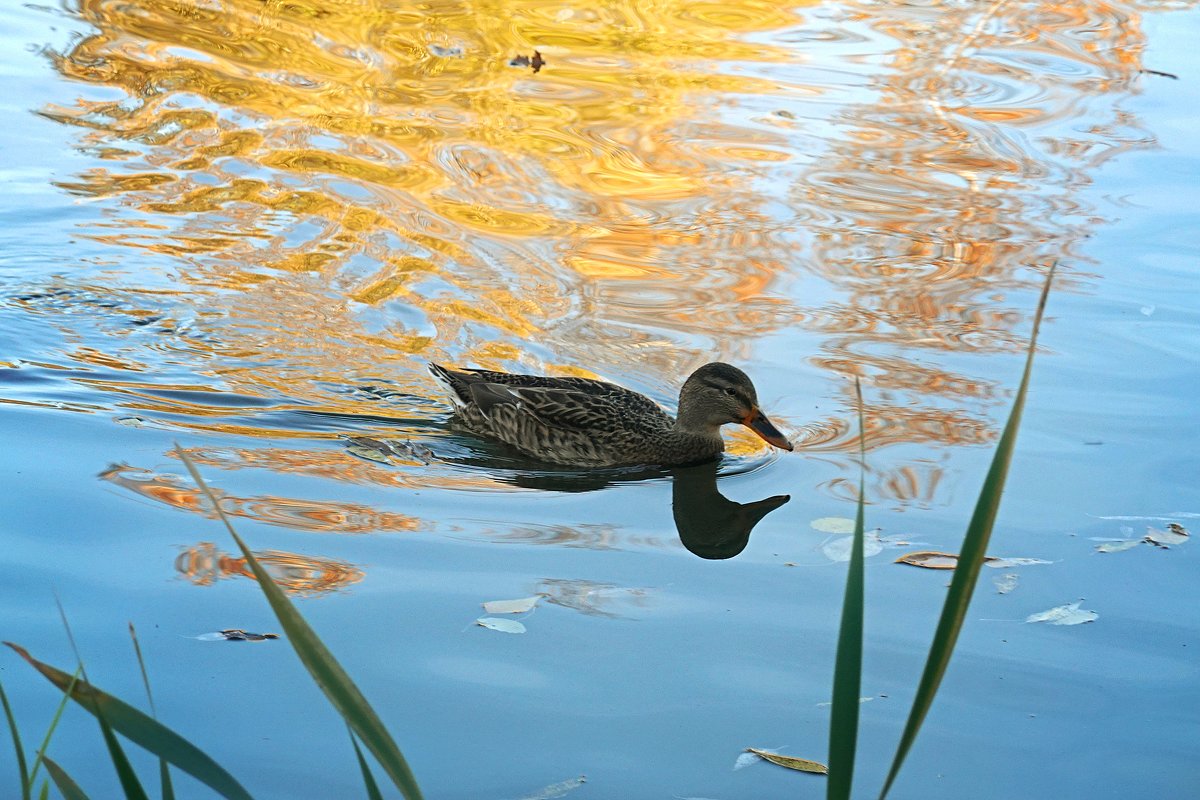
x,y
555,407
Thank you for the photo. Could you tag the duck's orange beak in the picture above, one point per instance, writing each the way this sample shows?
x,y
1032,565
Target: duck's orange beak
x,y
758,422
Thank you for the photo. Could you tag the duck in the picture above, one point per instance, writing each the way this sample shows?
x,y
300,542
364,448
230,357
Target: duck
x,y
581,422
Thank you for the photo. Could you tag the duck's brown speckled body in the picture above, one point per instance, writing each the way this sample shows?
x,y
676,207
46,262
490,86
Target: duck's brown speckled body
x,y
588,423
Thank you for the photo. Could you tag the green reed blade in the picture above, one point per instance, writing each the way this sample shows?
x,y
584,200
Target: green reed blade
x,y
164,771
847,670
372,787
141,729
58,712
129,779
67,787
26,781
970,560
325,670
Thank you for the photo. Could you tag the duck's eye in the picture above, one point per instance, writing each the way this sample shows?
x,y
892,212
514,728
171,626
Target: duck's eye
x,y
729,391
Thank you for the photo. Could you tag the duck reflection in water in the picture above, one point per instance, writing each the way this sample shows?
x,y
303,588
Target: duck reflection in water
x,y
709,524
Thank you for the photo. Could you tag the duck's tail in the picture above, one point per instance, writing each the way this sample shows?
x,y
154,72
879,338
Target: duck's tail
x,y
454,384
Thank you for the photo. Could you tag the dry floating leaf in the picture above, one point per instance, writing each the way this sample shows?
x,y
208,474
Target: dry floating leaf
x,y
833,525
801,764
502,625
511,606
1174,534
1070,614
1118,546
931,559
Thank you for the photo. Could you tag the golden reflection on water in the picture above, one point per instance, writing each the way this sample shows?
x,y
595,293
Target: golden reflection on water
x,y
306,196
204,565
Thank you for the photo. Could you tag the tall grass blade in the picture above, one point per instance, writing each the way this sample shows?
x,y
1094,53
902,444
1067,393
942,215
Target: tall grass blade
x,y
58,712
22,767
67,787
140,729
970,560
320,663
164,771
129,779
847,670
372,787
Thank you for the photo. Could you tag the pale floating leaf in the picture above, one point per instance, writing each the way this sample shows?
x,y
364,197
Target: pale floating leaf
x,y
1005,583
1118,546
930,559
511,606
745,760
368,453
502,625
800,764
1005,563
839,549
1174,534
833,525
861,700
131,422
556,790
1070,614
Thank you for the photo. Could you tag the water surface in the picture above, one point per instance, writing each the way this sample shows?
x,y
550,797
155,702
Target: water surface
x,y
246,226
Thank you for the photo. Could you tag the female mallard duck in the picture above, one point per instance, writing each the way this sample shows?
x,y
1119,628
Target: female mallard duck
x,y
587,423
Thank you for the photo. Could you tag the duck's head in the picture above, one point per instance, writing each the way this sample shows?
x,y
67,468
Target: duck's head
x,y
717,394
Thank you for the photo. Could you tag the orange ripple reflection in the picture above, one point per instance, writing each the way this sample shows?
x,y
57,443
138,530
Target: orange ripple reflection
x,y
204,565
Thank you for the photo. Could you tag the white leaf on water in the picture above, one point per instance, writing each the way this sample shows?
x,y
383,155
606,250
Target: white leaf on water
x,y
1005,583
511,606
745,760
502,625
557,789
833,525
839,549
1070,614
1004,563
1118,545
1174,534
861,700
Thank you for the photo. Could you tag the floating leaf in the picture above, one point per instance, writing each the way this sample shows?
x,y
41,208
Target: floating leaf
x,y
801,764
235,635
1070,614
556,790
511,606
931,559
1174,534
369,453
840,549
1005,583
502,625
1005,563
131,422
833,525
861,700
1118,545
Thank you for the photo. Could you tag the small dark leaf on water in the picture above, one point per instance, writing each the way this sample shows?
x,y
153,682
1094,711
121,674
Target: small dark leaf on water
x,y
239,635
801,764
537,62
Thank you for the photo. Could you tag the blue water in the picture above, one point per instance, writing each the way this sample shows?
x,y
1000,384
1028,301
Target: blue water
x,y
245,232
